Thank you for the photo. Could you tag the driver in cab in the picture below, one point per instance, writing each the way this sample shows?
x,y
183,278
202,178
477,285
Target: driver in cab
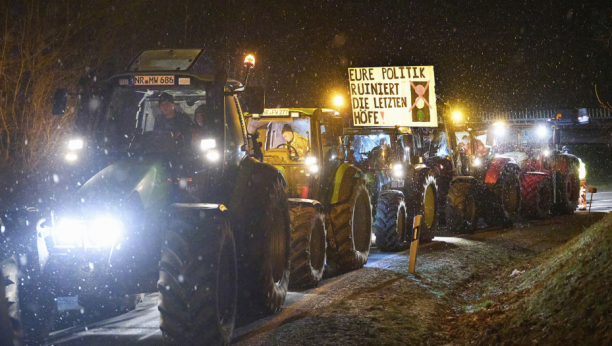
x,y
297,142
171,120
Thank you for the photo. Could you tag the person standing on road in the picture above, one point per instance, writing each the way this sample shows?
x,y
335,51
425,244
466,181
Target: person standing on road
x,y
172,120
297,142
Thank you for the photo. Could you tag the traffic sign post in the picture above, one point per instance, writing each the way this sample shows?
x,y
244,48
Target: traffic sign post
x,y
414,244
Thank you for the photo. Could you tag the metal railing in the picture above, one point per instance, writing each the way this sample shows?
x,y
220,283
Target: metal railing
x,y
520,116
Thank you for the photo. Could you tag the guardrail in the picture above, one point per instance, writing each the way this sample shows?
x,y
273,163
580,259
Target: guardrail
x,y
520,116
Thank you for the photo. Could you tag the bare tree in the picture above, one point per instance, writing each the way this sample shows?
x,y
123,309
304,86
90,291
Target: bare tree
x,y
44,46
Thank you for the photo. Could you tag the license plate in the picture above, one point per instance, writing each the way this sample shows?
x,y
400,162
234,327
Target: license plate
x,y
153,80
275,112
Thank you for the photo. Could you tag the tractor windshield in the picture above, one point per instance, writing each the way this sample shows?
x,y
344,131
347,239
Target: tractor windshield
x,y
363,145
137,111
282,134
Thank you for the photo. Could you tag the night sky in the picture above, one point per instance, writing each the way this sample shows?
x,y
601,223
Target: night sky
x,y
506,55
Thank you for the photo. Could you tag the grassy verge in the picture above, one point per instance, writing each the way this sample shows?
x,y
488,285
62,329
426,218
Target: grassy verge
x,y
562,297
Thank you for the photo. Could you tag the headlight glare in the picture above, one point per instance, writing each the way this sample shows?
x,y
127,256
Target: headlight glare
x,y
72,156
213,155
100,233
75,144
311,160
477,162
207,144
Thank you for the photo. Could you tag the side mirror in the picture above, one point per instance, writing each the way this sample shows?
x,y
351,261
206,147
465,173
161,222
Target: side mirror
x,y
254,99
60,98
336,126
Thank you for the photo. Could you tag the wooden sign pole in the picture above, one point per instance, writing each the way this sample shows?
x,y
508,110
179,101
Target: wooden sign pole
x,y
416,227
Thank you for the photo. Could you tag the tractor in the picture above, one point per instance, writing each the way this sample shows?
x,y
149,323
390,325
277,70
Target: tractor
x,y
402,166
170,202
329,204
486,183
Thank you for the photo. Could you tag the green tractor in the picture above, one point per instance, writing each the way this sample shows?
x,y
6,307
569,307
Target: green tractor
x,y
171,202
402,169
328,198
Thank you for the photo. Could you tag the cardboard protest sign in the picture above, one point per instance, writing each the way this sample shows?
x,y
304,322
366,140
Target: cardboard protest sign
x,y
390,96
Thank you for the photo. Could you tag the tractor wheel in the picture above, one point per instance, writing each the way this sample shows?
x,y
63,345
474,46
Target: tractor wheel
x,y
424,204
100,307
351,231
564,204
31,306
573,193
461,211
390,222
263,244
507,198
8,315
197,279
536,196
307,245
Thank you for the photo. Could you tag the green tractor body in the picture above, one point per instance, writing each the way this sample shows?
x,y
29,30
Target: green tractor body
x,y
157,189
328,200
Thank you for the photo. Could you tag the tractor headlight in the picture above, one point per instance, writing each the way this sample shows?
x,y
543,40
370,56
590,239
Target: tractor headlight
x,y
398,170
546,152
582,170
213,155
477,162
542,131
311,160
75,144
207,144
100,233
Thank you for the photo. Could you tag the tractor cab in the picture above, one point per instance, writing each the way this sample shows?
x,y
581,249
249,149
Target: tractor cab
x,y
303,143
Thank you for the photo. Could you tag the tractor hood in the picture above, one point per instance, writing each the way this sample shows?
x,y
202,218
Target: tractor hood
x,y
126,182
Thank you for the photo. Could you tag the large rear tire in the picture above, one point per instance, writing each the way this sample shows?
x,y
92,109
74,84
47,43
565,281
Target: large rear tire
x,y
536,196
506,198
264,248
197,279
30,303
424,203
307,245
351,230
461,211
390,222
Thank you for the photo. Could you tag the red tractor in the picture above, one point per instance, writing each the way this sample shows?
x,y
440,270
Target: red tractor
x,y
487,183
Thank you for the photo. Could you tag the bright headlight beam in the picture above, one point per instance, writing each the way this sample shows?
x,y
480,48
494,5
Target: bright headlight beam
x,y
75,144
71,157
311,160
207,144
477,162
542,131
313,169
213,155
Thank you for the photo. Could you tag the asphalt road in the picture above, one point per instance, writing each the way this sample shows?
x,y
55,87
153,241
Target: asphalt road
x,y
141,326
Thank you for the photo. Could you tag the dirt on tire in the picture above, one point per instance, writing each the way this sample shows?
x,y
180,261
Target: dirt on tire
x,y
308,245
390,222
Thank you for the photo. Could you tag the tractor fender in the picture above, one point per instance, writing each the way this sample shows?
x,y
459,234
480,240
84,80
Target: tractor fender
x,y
344,179
420,172
496,168
256,172
294,202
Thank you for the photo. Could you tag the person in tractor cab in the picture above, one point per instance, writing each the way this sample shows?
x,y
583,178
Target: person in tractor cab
x,y
172,120
298,143
199,116
481,149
